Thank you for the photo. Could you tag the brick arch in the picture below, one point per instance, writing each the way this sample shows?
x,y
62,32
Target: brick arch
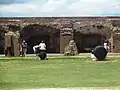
x,y
37,28
88,36
95,29
35,33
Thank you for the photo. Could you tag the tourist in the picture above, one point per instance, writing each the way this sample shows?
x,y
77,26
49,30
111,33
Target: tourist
x,y
24,48
6,51
20,48
106,45
42,47
36,49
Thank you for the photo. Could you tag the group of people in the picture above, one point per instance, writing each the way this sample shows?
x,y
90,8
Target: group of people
x,y
37,49
40,50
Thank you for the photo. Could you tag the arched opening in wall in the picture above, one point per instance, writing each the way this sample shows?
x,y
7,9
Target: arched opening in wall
x,y
2,41
90,41
86,42
35,33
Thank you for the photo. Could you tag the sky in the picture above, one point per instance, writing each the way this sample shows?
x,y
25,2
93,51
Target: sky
x,y
59,8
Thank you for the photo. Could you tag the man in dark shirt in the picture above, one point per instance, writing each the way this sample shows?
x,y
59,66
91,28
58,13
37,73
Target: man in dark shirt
x,y
24,48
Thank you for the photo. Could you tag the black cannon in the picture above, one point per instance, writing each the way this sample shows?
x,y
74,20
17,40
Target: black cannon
x,y
100,52
42,54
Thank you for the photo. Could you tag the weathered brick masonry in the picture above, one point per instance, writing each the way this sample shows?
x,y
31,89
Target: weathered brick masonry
x,y
58,31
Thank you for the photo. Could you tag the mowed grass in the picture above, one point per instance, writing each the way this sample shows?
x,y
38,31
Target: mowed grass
x,y
58,71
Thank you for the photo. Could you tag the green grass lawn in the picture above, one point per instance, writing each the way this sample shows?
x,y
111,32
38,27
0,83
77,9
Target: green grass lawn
x,y
59,71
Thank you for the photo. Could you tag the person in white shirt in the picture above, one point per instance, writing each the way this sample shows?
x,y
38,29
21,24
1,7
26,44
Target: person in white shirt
x,y
35,49
106,45
42,47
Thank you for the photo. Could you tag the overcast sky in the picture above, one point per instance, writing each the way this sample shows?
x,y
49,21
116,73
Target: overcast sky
x,y
56,8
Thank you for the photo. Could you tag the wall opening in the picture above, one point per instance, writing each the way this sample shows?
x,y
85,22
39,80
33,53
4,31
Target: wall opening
x,y
86,42
91,41
34,34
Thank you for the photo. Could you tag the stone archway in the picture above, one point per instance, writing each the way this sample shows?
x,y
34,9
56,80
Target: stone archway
x,y
5,31
35,33
85,42
89,36
92,40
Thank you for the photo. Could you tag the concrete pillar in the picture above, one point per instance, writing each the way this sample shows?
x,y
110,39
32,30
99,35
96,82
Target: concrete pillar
x,y
116,43
12,43
15,41
8,44
111,46
66,34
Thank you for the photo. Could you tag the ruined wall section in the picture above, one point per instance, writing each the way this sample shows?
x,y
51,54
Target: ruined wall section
x,y
85,25
116,40
115,35
93,27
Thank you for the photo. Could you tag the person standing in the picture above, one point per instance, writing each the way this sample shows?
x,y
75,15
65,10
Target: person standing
x,y
106,45
24,48
42,46
20,48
